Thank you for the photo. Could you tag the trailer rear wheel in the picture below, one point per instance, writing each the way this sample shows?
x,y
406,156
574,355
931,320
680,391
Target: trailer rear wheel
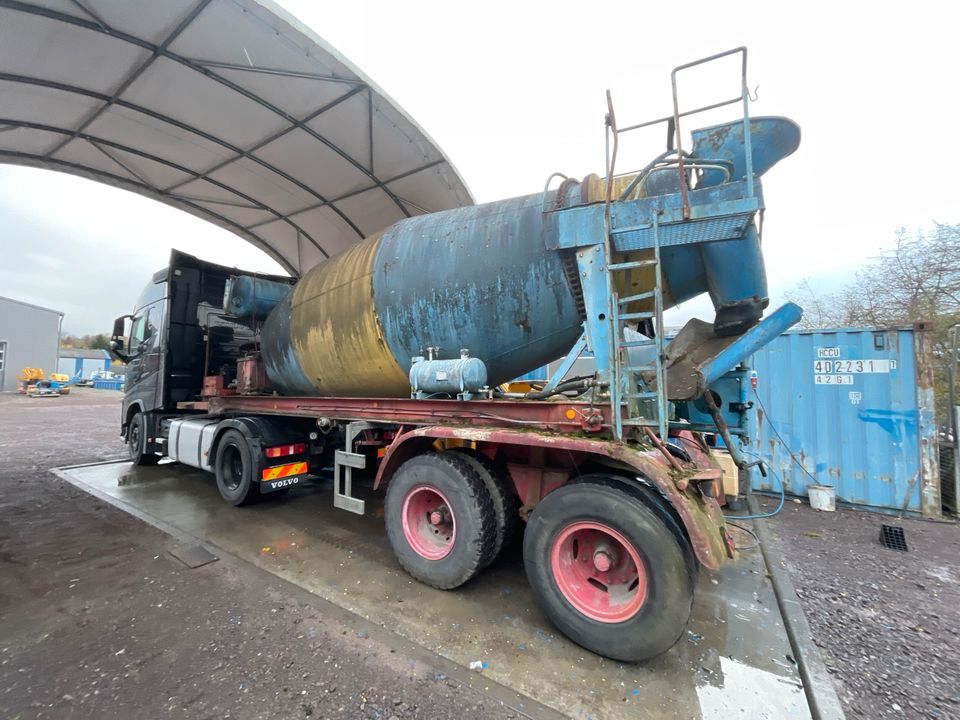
x,y
608,572
137,441
440,519
506,504
236,470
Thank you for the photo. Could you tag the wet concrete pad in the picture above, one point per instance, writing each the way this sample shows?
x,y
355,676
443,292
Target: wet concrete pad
x,y
734,659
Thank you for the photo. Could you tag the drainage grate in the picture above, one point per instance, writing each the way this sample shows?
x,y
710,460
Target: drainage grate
x,y
892,537
193,556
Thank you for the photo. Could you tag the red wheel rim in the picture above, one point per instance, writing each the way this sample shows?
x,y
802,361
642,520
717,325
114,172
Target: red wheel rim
x,y
599,572
428,522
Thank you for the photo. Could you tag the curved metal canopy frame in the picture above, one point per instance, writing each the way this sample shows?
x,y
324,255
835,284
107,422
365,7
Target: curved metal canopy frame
x,y
231,110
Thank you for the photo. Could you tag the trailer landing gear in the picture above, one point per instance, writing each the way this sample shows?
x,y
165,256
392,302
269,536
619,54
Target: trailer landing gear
x,y
607,570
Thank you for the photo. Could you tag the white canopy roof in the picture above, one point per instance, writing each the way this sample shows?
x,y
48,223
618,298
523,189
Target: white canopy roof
x,y
229,109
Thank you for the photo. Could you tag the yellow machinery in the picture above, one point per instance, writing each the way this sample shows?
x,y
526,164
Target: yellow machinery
x,y
31,382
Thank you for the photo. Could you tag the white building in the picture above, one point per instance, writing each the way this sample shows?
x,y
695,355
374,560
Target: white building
x,y
29,337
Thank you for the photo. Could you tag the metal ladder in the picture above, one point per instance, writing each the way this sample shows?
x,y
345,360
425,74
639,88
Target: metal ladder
x,y
602,234
627,382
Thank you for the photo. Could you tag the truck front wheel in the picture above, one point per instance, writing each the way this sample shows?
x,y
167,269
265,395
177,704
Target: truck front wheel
x,y
236,469
137,441
608,572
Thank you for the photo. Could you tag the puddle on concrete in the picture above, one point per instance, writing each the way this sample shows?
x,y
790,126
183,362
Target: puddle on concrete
x,y
733,659
745,690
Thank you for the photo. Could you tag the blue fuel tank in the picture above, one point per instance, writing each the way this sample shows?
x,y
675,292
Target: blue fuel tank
x,y
486,278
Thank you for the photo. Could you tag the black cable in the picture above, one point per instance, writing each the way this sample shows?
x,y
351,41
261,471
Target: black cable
x,y
578,383
766,416
748,531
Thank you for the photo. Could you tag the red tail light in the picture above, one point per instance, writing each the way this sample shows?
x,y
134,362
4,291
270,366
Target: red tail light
x,y
283,450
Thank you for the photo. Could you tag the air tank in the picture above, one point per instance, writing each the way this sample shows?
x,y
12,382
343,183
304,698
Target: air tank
x,y
485,278
461,377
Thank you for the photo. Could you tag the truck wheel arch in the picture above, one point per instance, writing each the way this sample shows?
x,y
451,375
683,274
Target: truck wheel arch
x,y
640,485
245,426
135,407
402,449
260,432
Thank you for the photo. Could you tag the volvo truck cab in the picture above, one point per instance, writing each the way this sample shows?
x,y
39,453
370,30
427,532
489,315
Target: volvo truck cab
x,y
178,342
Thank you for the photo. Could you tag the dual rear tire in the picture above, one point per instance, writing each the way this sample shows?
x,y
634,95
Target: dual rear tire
x,y
441,520
506,504
607,565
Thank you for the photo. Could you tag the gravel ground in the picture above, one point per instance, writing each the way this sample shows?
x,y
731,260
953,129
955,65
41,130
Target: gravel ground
x,y
887,622
97,620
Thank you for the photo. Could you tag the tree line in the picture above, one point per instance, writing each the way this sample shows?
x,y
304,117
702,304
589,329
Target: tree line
x,y
916,280
85,342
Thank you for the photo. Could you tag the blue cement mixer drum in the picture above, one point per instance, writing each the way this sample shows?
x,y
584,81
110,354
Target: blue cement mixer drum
x,y
478,277
485,278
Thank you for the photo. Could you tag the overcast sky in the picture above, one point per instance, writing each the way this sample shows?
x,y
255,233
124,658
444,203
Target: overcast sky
x,y
515,91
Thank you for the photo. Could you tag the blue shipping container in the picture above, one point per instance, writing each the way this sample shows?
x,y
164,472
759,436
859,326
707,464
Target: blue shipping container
x,y
856,408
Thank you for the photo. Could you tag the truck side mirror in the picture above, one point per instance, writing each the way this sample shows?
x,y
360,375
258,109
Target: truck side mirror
x,y
118,327
117,344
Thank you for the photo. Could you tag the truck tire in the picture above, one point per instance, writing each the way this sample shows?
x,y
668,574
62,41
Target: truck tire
x,y
608,571
137,441
506,504
236,469
440,519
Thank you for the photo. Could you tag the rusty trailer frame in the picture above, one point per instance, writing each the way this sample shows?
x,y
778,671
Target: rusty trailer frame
x,y
566,435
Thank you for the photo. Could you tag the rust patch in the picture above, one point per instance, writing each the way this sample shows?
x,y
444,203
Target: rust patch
x,y
717,137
